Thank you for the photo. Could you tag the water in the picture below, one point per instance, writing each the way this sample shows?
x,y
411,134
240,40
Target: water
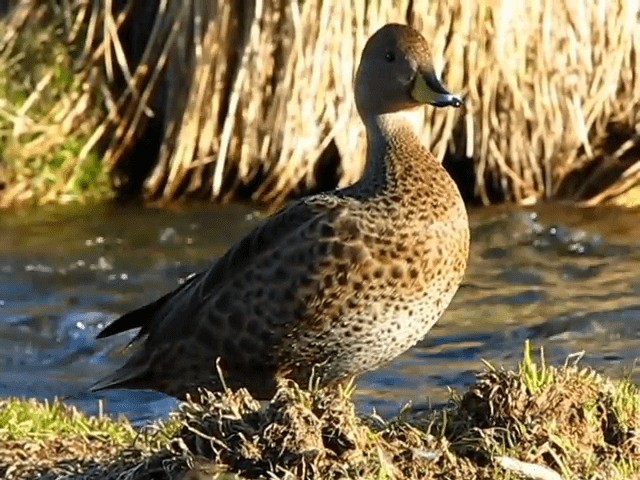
x,y
568,279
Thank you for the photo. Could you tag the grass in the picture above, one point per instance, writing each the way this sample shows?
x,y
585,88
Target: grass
x,y
548,422
48,111
31,420
562,417
535,376
50,439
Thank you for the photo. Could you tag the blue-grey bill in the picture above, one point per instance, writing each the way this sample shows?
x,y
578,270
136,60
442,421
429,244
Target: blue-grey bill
x,y
427,88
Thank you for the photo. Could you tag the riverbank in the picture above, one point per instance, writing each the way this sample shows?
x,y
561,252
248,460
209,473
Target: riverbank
x,y
239,102
543,421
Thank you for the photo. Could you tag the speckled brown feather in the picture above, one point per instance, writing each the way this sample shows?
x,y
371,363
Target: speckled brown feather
x,y
335,284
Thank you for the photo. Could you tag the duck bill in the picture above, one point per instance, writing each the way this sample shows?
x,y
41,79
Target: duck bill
x,y
427,88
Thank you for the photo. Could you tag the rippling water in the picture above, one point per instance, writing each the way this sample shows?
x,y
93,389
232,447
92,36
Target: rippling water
x,y
568,279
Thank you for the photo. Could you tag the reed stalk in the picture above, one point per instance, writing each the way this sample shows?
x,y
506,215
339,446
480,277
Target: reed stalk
x,y
253,99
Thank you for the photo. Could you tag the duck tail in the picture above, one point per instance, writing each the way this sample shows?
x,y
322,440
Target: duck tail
x,y
126,377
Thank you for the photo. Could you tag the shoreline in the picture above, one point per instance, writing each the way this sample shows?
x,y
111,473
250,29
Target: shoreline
x,y
537,421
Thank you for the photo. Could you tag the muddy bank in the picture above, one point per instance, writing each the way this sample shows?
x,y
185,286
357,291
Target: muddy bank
x,y
541,421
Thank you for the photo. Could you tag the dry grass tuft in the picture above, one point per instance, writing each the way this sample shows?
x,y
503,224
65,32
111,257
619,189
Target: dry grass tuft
x,y
570,419
305,434
553,423
555,94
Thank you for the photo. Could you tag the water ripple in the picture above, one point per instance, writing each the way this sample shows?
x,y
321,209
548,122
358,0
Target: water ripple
x,y
565,278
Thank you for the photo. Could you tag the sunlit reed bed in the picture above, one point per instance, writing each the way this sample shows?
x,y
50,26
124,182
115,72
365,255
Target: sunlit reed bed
x,y
220,100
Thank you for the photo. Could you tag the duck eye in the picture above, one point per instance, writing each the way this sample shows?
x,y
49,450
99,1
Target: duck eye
x,y
389,56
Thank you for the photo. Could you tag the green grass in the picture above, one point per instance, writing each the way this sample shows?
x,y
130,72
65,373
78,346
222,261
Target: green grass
x,y
535,375
61,440
29,420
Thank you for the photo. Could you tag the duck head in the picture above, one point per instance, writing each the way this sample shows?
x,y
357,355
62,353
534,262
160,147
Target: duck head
x,y
396,73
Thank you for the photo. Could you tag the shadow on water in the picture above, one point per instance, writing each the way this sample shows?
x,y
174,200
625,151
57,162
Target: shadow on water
x,y
569,279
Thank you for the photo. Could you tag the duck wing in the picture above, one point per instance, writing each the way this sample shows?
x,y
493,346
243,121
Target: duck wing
x,y
289,225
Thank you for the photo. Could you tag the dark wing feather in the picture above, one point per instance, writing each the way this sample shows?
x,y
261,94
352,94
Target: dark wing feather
x,y
140,316
188,297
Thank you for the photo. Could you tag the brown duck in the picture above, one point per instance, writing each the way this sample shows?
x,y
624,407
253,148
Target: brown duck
x,y
336,283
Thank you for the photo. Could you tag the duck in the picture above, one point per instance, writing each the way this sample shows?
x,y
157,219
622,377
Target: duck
x,y
336,283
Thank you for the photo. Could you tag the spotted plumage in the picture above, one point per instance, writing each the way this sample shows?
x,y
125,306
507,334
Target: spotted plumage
x,y
336,283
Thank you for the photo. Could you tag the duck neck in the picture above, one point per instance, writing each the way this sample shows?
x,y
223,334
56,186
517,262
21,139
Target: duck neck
x,y
396,160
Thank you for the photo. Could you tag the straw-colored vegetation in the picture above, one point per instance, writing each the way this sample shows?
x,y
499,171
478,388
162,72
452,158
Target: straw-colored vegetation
x,y
538,422
54,439
48,107
223,99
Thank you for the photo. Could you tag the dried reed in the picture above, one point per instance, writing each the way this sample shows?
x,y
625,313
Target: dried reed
x,y
52,54
256,96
